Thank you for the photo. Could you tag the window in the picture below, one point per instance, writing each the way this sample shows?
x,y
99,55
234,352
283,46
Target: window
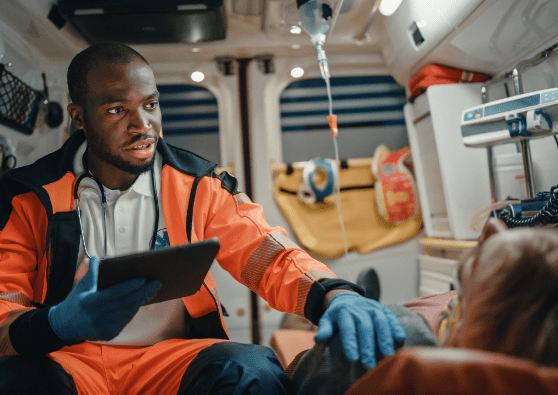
x,y
190,119
369,112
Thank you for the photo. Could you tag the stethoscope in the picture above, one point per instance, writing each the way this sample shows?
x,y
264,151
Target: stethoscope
x,y
104,206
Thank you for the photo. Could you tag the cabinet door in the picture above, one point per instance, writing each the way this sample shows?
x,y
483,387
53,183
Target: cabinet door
x,y
427,170
452,179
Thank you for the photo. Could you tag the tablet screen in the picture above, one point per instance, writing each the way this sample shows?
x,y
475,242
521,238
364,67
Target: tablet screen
x,y
180,269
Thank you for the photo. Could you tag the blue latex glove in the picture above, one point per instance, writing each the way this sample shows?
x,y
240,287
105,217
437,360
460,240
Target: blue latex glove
x,y
362,323
88,314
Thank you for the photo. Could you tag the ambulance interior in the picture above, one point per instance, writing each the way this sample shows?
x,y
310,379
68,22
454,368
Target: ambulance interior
x,y
241,85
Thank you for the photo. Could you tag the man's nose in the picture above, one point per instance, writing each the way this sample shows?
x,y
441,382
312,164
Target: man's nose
x,y
140,122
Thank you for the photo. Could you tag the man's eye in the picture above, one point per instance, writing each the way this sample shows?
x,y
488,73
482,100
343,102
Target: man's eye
x,y
152,105
116,110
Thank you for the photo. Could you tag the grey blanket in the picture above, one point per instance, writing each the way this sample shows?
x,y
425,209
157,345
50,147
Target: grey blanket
x,y
325,370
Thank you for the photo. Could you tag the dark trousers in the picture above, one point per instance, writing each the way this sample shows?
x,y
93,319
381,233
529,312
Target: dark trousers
x,y
222,368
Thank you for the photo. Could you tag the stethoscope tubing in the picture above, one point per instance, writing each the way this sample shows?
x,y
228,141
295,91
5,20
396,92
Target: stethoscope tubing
x,y
104,206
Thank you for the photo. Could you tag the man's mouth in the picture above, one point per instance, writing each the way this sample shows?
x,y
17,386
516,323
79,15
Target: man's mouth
x,y
142,144
142,149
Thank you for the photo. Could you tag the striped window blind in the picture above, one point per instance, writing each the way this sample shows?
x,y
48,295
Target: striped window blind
x,y
190,119
369,111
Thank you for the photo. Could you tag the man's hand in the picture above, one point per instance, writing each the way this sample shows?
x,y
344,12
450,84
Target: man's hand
x,y
363,324
88,314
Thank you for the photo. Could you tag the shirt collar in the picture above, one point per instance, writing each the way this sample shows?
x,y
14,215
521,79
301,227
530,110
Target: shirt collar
x,y
78,163
142,185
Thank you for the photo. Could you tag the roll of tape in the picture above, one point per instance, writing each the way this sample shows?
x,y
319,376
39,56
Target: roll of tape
x,y
319,177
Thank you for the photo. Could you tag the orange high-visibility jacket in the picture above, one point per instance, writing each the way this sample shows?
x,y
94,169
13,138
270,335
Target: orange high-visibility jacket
x,y
40,236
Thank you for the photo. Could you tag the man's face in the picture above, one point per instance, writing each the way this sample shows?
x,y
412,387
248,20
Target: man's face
x,y
121,115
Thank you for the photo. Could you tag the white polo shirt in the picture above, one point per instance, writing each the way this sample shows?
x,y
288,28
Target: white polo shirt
x,y
130,224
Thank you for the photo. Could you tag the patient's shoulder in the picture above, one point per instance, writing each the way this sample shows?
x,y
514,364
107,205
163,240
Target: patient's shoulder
x,y
431,308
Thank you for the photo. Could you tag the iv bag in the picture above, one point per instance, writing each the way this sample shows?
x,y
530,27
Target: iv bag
x,y
315,17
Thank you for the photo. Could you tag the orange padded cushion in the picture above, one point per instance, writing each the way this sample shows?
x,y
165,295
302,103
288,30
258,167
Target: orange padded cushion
x,y
437,371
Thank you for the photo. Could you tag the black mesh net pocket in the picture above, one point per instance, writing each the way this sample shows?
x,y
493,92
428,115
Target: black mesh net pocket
x,y
19,103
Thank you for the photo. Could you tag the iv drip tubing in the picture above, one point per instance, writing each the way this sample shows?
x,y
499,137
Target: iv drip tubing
x,y
338,188
328,87
337,184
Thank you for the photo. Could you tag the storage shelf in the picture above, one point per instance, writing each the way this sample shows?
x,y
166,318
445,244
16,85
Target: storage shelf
x,y
446,244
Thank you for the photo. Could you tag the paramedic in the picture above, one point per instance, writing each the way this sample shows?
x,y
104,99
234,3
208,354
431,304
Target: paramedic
x,y
59,335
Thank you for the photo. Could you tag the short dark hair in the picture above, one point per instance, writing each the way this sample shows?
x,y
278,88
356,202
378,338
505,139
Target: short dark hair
x,y
92,57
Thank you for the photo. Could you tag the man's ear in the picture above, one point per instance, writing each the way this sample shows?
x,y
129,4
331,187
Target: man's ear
x,y
76,113
491,227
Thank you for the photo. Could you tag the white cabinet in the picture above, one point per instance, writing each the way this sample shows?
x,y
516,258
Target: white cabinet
x,y
452,179
437,267
436,275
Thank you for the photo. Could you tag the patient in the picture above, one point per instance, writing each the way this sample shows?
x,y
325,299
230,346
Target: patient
x,y
506,301
509,295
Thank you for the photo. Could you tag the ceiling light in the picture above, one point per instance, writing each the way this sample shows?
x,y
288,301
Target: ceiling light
x,y
196,49
295,30
297,72
197,76
388,7
295,46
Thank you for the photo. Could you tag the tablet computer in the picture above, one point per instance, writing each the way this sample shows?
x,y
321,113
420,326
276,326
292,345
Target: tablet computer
x,y
181,269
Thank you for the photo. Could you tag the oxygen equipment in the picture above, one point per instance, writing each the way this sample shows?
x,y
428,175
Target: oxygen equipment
x,y
519,119
539,211
316,18
525,116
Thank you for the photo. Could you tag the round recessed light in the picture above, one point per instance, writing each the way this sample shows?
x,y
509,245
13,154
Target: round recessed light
x,y
197,76
296,30
196,49
297,72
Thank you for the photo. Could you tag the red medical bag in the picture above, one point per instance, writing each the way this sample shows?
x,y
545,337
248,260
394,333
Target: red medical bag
x,y
434,74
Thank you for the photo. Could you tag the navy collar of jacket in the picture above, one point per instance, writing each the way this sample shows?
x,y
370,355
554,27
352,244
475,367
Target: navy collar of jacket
x,y
54,166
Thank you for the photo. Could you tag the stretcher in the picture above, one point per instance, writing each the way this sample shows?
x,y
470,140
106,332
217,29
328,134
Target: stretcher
x,y
431,370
